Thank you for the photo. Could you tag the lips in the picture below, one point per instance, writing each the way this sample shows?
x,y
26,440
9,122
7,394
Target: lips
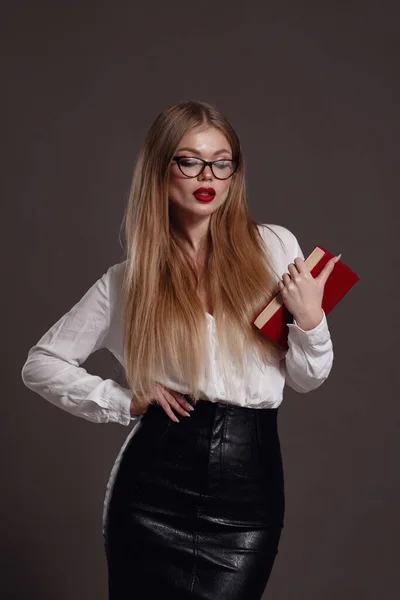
x,y
204,194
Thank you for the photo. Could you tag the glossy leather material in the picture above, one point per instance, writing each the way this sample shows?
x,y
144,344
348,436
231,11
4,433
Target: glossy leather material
x,y
197,507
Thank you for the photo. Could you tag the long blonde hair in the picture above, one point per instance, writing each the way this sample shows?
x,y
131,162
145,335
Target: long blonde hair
x,y
164,322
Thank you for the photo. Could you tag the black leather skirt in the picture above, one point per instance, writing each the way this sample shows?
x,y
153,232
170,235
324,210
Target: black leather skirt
x,y
197,507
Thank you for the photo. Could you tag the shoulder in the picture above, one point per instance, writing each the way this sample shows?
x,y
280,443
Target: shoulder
x,y
281,245
114,278
115,273
278,236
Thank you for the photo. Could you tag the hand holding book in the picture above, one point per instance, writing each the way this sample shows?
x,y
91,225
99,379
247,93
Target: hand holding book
x,y
302,293
298,293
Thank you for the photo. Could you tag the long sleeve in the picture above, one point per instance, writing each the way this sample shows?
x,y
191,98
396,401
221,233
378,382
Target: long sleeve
x,y
53,370
309,358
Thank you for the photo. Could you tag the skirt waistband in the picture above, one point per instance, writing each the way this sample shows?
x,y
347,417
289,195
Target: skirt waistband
x,y
210,404
209,412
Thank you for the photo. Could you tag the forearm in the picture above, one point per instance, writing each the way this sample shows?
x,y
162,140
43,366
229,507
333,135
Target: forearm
x,y
309,358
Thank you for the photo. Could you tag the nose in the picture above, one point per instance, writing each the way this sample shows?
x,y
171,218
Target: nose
x,y
206,174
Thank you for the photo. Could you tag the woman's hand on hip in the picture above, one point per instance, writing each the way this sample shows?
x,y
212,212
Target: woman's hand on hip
x,y
166,398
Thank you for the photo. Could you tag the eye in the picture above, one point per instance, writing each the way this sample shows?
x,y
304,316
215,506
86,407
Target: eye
x,y
189,162
223,164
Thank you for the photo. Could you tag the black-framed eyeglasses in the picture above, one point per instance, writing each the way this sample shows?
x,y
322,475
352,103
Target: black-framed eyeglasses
x,y
191,166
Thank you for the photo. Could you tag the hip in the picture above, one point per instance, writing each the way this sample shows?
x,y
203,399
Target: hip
x,y
224,460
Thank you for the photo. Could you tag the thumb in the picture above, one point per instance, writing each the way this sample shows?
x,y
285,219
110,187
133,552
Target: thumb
x,y
327,270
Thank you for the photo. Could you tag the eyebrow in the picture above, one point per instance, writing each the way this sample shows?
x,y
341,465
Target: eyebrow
x,y
197,152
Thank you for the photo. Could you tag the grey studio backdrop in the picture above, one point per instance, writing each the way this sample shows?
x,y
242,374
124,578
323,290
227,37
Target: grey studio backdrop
x,y
313,92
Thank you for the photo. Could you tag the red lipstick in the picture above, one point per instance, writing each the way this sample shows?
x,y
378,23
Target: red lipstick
x,y
204,194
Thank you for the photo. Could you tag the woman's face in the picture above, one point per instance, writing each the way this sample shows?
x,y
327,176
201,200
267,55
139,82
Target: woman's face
x,y
209,144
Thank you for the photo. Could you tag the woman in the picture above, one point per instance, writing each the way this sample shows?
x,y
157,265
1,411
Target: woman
x,y
194,506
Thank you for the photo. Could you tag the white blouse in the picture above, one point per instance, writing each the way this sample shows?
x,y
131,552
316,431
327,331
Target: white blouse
x,y
53,370
53,366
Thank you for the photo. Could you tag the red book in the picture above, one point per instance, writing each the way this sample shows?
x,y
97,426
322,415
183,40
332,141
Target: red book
x,y
273,319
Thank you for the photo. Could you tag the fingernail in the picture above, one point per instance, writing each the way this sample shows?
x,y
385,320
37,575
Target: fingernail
x,y
187,414
338,257
177,420
191,408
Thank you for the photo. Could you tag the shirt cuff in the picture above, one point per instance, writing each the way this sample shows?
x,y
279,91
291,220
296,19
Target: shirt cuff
x,y
119,399
318,334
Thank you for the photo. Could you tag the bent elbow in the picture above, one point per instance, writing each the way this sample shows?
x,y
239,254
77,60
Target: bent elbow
x,y
31,368
311,382
26,373
308,386
316,383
